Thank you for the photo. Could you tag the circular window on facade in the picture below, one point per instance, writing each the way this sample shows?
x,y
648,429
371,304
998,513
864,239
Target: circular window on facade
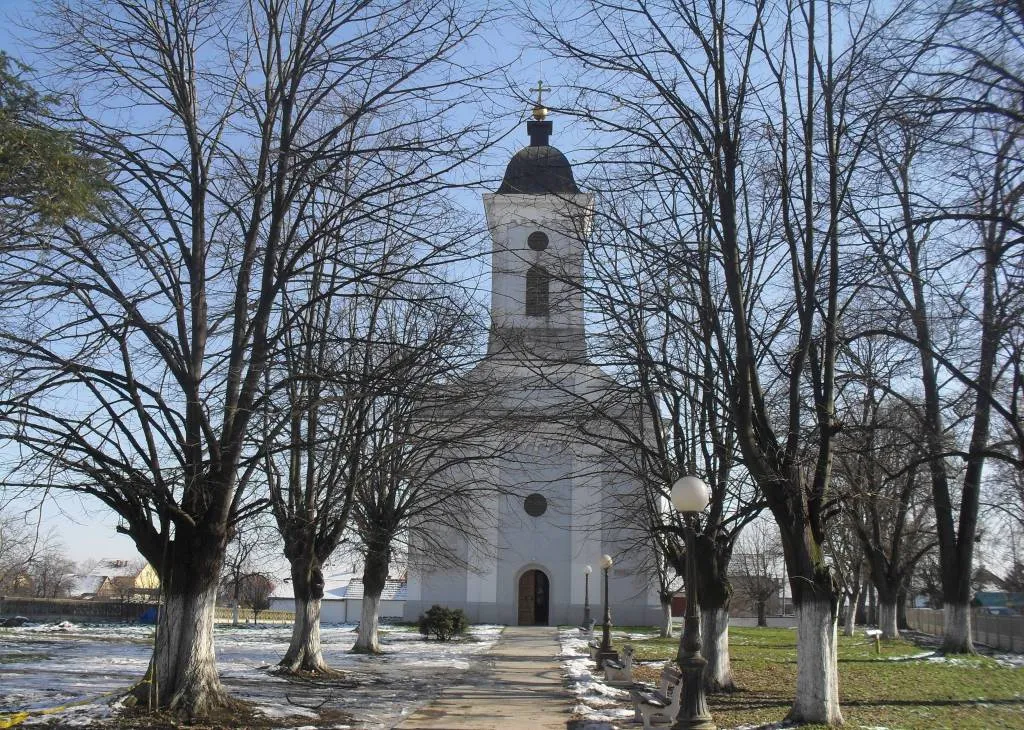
x,y
538,241
535,505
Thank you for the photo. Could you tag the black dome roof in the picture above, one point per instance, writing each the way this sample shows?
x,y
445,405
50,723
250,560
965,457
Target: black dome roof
x,y
539,169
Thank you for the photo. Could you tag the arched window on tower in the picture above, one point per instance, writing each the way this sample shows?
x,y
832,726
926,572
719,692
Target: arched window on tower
x,y
538,292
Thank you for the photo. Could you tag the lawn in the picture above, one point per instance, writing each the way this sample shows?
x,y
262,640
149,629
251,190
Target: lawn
x,y
899,688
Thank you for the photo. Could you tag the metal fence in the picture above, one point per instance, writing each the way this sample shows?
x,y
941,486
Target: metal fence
x,y
71,608
1000,632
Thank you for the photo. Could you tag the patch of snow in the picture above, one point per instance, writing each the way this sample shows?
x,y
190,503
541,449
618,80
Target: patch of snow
x,y
957,661
85,668
909,657
1011,661
599,705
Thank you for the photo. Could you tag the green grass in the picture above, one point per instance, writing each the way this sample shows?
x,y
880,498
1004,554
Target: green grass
x,y
891,690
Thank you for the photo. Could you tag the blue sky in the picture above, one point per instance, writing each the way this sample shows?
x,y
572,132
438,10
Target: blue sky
x,y
86,528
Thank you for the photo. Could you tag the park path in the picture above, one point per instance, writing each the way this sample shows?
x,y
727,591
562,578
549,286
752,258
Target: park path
x,y
517,684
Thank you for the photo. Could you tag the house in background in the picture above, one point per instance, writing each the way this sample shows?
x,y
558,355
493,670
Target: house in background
x,y
117,580
343,598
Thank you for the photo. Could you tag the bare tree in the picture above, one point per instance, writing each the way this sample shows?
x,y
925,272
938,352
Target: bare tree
x,y
648,299
17,548
758,562
332,366
256,589
32,562
945,254
248,550
886,500
414,433
218,122
51,572
749,117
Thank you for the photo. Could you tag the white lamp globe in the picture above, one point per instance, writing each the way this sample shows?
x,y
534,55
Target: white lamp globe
x,y
607,562
690,494
588,570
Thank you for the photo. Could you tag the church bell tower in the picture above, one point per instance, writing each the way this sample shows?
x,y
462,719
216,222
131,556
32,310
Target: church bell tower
x,y
538,221
537,424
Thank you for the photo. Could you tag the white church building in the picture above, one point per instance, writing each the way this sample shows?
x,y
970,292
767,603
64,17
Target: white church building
x,y
557,496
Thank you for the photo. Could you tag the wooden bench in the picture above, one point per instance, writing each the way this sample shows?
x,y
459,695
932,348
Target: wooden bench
x,y
620,672
660,705
593,647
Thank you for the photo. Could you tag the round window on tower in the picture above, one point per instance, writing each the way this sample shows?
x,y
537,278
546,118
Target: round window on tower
x,y
538,241
535,505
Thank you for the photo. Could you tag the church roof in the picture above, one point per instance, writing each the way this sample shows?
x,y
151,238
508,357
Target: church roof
x,y
538,169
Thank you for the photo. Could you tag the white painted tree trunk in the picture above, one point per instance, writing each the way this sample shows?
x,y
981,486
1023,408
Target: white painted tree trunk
x,y
234,612
714,629
184,660
887,620
850,624
367,639
817,681
305,653
957,629
666,620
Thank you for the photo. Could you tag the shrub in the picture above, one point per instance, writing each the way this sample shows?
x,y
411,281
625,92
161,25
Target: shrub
x,y
443,623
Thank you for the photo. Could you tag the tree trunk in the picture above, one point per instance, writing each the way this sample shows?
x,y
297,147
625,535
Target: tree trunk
x,y
666,619
762,613
957,629
183,664
901,611
714,594
375,575
182,675
817,683
851,612
305,653
887,618
714,627
862,603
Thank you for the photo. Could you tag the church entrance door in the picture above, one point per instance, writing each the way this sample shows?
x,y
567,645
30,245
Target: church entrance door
x,y
533,598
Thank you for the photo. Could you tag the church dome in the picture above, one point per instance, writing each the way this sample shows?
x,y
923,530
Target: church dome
x,y
539,169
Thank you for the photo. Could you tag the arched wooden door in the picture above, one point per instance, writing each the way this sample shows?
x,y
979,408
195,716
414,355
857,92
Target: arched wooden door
x,y
533,598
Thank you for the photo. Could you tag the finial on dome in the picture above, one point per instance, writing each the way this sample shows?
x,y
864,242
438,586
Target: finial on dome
x,y
540,112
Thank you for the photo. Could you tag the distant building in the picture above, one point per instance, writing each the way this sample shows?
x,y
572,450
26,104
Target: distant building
x,y
343,599
1004,603
117,580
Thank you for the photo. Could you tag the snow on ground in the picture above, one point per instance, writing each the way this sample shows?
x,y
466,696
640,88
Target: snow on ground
x,y
45,666
599,705
1010,661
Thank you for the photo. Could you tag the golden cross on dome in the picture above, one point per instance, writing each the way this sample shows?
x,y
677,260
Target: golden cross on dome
x,y
539,110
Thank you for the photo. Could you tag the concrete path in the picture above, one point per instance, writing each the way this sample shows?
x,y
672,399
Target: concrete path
x,y
517,684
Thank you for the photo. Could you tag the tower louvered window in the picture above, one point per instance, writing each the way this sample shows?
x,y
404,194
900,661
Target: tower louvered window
x,y
538,292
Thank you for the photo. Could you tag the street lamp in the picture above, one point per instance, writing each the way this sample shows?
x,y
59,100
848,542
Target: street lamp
x,y
606,651
690,496
588,623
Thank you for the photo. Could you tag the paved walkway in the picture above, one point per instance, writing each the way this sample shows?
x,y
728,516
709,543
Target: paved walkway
x,y
517,684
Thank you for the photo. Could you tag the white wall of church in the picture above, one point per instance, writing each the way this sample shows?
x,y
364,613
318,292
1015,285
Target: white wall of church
x,y
535,385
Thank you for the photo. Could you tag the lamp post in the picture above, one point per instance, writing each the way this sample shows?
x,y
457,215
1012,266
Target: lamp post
x,y
690,496
606,651
588,622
